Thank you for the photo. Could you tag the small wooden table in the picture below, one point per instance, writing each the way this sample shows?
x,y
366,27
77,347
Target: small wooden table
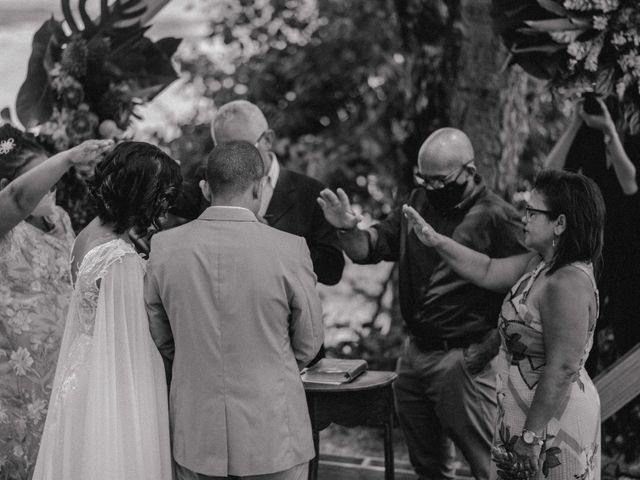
x,y
366,401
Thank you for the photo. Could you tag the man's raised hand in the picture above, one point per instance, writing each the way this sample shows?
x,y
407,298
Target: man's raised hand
x,y
337,209
425,233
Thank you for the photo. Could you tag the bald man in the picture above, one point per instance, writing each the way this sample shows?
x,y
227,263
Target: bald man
x,y
446,375
288,198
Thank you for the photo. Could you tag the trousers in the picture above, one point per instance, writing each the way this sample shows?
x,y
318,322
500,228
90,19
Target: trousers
x,y
439,402
298,472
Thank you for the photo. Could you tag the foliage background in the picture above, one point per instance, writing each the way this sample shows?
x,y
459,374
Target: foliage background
x,y
352,89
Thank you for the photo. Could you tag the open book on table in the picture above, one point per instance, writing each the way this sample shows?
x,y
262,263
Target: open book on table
x,y
333,371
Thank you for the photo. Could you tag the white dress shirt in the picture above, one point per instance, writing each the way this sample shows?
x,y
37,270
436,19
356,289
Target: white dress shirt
x,y
267,190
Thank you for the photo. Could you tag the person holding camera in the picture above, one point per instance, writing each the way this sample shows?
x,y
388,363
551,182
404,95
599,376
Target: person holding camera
x,y
594,145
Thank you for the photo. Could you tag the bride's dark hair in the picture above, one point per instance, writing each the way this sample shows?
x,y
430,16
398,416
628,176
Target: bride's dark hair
x,y
134,185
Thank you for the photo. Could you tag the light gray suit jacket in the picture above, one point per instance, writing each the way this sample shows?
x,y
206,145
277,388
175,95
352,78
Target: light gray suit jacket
x,y
232,302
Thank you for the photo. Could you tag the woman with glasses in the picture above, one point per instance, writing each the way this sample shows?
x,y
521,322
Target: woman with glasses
x,y
35,286
548,423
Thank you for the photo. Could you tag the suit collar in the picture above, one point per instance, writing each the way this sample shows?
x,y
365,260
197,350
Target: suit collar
x,y
283,198
232,214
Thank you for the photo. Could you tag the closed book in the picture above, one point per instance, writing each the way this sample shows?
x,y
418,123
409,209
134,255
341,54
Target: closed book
x,y
334,371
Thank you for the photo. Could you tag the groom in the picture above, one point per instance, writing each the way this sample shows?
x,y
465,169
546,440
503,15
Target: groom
x,y
232,303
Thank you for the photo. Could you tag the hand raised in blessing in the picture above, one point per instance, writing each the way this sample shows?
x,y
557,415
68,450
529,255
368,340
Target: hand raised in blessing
x,y
85,156
425,233
337,209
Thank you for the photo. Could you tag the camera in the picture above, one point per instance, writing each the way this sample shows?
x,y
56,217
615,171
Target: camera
x,y
591,105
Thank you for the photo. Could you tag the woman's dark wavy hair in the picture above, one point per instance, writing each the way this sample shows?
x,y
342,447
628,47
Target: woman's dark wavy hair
x,y
134,185
580,200
25,149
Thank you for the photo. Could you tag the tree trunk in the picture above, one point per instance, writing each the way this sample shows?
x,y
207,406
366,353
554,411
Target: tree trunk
x,y
489,103
456,77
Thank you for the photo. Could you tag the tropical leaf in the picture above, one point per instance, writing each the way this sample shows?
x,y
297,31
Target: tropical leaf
x,y
555,24
553,7
510,14
168,45
547,48
584,21
34,104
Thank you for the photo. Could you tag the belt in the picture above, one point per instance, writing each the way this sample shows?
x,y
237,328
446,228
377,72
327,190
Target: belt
x,y
432,344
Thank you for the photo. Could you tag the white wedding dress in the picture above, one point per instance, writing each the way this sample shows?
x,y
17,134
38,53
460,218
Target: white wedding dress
x,y
108,417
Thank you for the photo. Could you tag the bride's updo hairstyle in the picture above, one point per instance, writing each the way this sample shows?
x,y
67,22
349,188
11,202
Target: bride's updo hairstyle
x,y
134,185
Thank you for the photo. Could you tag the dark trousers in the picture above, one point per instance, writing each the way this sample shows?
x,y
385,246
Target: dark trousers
x,y
439,401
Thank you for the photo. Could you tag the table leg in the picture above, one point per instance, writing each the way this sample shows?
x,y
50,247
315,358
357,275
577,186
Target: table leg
x,y
389,468
313,464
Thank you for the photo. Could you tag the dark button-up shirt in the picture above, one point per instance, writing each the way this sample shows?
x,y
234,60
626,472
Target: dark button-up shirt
x,y
435,302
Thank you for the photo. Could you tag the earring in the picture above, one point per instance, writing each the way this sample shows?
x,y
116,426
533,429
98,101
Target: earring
x,y
553,243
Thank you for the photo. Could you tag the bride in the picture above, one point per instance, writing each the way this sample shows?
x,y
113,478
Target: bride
x,y
108,416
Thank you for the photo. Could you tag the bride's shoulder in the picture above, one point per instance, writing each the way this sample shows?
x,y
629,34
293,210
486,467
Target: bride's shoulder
x,y
94,252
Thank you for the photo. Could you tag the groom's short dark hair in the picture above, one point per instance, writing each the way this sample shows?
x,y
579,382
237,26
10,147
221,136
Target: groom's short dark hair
x,y
232,167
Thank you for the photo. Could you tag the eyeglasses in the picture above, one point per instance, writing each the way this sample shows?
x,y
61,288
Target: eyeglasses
x,y
433,182
259,138
531,212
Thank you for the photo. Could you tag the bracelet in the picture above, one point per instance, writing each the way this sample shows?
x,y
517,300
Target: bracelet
x,y
347,230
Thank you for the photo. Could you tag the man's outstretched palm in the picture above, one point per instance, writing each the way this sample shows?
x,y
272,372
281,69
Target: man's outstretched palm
x,y
337,209
425,233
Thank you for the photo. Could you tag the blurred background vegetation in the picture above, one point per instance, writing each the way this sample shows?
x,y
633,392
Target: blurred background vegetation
x,y
351,90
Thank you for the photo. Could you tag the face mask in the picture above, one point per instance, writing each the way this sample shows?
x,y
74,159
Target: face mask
x,y
447,197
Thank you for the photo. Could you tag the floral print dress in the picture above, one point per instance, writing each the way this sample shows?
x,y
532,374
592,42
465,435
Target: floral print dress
x,y
572,447
35,288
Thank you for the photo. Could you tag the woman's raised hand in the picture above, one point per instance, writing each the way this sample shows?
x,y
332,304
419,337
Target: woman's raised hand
x,y
85,156
425,233
337,209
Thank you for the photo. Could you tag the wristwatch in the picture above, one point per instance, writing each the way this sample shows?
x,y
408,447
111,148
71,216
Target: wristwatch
x,y
531,438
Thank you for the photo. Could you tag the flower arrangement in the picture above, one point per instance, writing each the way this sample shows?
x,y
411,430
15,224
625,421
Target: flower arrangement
x,y
578,45
85,80
87,83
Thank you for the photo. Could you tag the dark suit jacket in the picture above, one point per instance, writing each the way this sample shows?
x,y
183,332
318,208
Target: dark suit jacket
x,y
294,209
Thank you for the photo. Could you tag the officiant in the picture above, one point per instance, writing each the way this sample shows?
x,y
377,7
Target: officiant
x,y
446,374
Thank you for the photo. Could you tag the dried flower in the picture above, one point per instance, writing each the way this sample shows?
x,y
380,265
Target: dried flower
x,y
600,22
580,5
606,5
74,57
69,90
578,50
82,125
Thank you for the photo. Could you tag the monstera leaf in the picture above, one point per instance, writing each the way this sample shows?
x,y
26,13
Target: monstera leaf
x,y
148,62
34,104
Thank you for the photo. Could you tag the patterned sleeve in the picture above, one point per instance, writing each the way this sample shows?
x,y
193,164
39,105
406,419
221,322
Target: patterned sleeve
x,y
6,246
65,223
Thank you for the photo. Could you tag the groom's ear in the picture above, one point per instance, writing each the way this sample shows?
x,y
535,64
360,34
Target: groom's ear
x,y
204,188
258,187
